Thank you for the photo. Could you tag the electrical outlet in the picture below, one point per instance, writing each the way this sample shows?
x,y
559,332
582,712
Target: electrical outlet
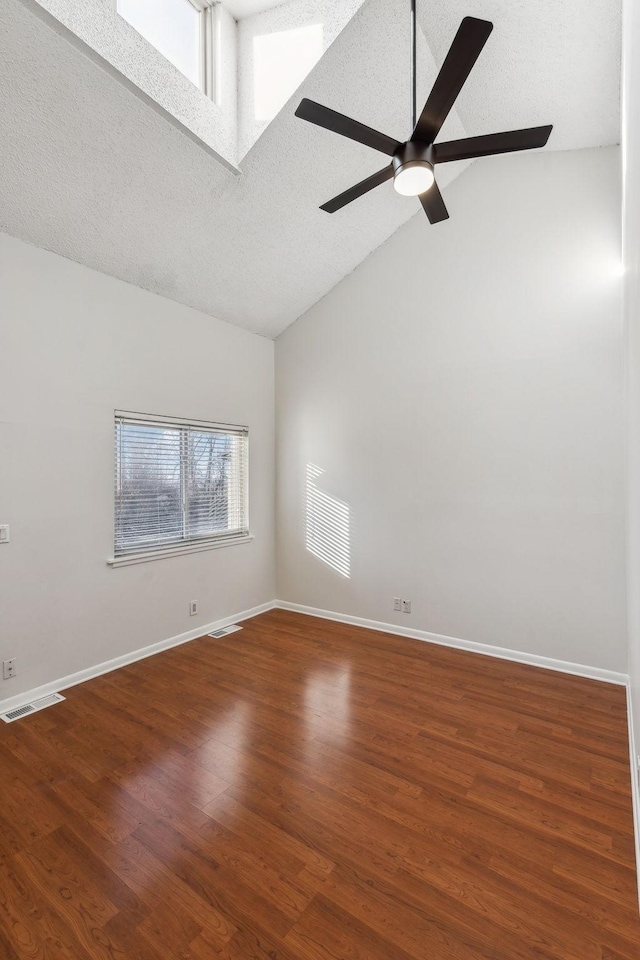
x,y
397,604
406,606
9,668
193,608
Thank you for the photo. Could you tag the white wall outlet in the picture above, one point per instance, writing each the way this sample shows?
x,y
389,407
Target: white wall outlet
x,y
397,604
9,668
4,533
406,606
193,608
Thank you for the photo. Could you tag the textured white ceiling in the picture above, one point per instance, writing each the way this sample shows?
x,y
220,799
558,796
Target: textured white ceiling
x,y
547,61
247,8
90,172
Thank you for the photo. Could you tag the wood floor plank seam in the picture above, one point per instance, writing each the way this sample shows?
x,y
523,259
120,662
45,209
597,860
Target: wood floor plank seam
x,y
311,790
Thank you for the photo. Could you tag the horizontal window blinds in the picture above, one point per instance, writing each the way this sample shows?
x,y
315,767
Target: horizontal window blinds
x,y
178,482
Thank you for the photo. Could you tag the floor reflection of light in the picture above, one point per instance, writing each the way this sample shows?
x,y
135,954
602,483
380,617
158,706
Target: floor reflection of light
x,y
231,727
225,753
327,703
327,525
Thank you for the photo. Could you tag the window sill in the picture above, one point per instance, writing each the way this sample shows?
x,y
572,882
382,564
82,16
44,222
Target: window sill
x,y
128,559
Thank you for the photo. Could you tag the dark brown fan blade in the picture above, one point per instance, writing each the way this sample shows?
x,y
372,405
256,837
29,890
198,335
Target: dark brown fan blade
x,y
346,127
463,53
492,143
434,204
354,192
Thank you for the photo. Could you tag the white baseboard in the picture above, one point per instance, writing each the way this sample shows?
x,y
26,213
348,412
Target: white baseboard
x,y
63,683
547,663
635,784
502,653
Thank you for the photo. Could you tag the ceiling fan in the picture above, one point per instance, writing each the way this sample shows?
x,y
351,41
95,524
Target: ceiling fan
x,y
413,162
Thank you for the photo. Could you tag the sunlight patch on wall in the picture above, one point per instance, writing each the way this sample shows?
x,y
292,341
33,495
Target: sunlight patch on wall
x,y
327,534
281,61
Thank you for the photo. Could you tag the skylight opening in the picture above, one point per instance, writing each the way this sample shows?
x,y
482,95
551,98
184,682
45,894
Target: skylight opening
x,y
281,61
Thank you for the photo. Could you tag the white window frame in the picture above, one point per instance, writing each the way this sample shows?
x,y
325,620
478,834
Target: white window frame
x,y
210,46
194,544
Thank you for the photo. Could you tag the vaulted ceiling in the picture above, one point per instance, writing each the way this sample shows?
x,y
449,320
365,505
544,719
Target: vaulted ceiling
x,y
91,172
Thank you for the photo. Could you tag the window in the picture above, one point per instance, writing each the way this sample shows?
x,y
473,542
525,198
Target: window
x,y
183,31
281,61
178,484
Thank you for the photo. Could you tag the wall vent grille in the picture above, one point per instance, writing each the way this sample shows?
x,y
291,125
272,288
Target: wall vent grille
x,y
224,631
28,708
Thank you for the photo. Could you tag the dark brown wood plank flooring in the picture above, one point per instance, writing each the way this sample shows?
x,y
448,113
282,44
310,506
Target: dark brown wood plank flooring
x,y
305,790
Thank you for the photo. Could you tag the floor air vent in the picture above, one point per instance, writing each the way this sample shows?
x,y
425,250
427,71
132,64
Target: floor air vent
x,y
224,631
28,708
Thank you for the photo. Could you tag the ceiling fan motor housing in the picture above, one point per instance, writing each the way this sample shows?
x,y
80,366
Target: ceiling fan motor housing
x,y
413,153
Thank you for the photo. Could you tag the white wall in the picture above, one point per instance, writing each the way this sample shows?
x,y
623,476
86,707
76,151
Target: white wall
x,y
631,249
75,345
462,392
331,14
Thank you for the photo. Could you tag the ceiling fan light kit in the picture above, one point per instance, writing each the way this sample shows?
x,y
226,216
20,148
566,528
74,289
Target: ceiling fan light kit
x,y
413,168
413,162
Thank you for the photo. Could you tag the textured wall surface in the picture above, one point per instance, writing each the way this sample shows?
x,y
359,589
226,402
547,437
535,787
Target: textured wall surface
x,y
98,24
449,420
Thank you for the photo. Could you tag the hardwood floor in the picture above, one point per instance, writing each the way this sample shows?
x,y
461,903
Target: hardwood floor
x,y
305,790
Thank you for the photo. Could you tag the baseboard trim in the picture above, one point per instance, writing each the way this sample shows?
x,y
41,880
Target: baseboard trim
x,y
547,663
63,683
502,653
635,784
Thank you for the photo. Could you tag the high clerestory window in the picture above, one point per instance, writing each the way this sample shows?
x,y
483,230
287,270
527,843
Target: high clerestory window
x,y
179,485
184,31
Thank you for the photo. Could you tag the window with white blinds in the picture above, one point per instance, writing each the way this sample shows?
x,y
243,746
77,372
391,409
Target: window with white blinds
x,y
178,482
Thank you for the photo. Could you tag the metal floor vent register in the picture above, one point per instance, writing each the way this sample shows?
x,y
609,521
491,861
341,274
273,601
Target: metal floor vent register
x,y
224,631
28,708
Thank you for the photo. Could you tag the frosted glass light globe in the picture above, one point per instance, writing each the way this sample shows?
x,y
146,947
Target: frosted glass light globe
x,y
413,180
